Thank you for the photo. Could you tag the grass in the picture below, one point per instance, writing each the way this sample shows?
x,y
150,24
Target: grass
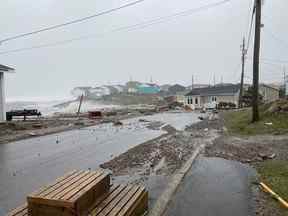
x,y
275,174
239,122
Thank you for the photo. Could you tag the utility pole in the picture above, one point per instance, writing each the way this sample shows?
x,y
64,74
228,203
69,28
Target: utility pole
x,y
242,73
192,82
285,82
255,97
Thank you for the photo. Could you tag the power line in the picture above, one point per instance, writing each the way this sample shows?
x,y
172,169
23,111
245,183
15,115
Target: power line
x,y
128,28
251,25
274,60
71,22
276,38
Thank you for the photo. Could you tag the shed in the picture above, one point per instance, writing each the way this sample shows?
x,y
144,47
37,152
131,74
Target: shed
x,y
3,69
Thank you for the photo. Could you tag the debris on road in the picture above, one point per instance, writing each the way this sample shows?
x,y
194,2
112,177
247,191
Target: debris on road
x,y
118,123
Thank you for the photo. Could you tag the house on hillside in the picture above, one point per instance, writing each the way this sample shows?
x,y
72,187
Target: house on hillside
x,y
165,88
132,86
98,92
176,88
209,97
148,88
269,93
3,69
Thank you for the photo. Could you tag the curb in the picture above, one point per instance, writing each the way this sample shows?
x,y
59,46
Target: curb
x,y
163,201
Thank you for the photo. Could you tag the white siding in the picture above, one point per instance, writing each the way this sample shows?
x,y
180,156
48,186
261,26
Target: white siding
x,y
2,98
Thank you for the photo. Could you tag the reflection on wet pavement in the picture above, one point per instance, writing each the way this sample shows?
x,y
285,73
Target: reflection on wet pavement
x,y
214,187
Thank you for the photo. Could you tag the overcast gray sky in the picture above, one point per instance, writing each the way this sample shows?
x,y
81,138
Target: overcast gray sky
x,y
203,44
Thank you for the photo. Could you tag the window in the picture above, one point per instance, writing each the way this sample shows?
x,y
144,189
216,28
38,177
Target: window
x,y
196,101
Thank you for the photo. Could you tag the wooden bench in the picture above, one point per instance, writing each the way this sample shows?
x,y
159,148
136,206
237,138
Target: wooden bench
x,y
24,113
83,193
71,195
122,200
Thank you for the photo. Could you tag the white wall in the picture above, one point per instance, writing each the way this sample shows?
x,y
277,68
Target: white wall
x,y
2,98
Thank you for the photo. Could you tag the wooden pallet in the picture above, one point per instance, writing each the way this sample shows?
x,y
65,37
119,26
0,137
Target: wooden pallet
x,y
20,211
70,195
85,193
122,200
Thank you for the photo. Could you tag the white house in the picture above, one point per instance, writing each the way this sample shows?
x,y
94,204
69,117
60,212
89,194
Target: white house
x,y
269,93
209,97
3,69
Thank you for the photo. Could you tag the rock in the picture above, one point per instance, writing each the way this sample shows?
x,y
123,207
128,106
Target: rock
x,y
79,124
37,126
118,123
32,134
266,156
143,120
272,156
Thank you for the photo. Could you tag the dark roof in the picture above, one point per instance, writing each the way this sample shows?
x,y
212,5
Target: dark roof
x,y
4,68
215,90
176,88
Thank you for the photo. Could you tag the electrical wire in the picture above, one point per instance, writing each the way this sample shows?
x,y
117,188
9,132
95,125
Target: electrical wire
x,y
276,38
251,25
71,22
128,28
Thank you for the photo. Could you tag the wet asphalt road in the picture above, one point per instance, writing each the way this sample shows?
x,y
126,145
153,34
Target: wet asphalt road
x,y
214,187
29,164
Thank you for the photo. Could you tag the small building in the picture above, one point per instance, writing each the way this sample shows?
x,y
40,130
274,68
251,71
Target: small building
x,y
176,88
132,87
3,69
269,93
148,89
209,97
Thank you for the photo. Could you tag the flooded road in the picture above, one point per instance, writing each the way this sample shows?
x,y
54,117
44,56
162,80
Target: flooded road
x,y
29,164
214,187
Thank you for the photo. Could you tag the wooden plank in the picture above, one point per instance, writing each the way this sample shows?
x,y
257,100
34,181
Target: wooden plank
x,y
124,201
20,211
73,184
83,188
56,186
107,209
140,199
140,207
45,210
49,202
103,197
99,187
105,202
57,181
78,189
66,185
